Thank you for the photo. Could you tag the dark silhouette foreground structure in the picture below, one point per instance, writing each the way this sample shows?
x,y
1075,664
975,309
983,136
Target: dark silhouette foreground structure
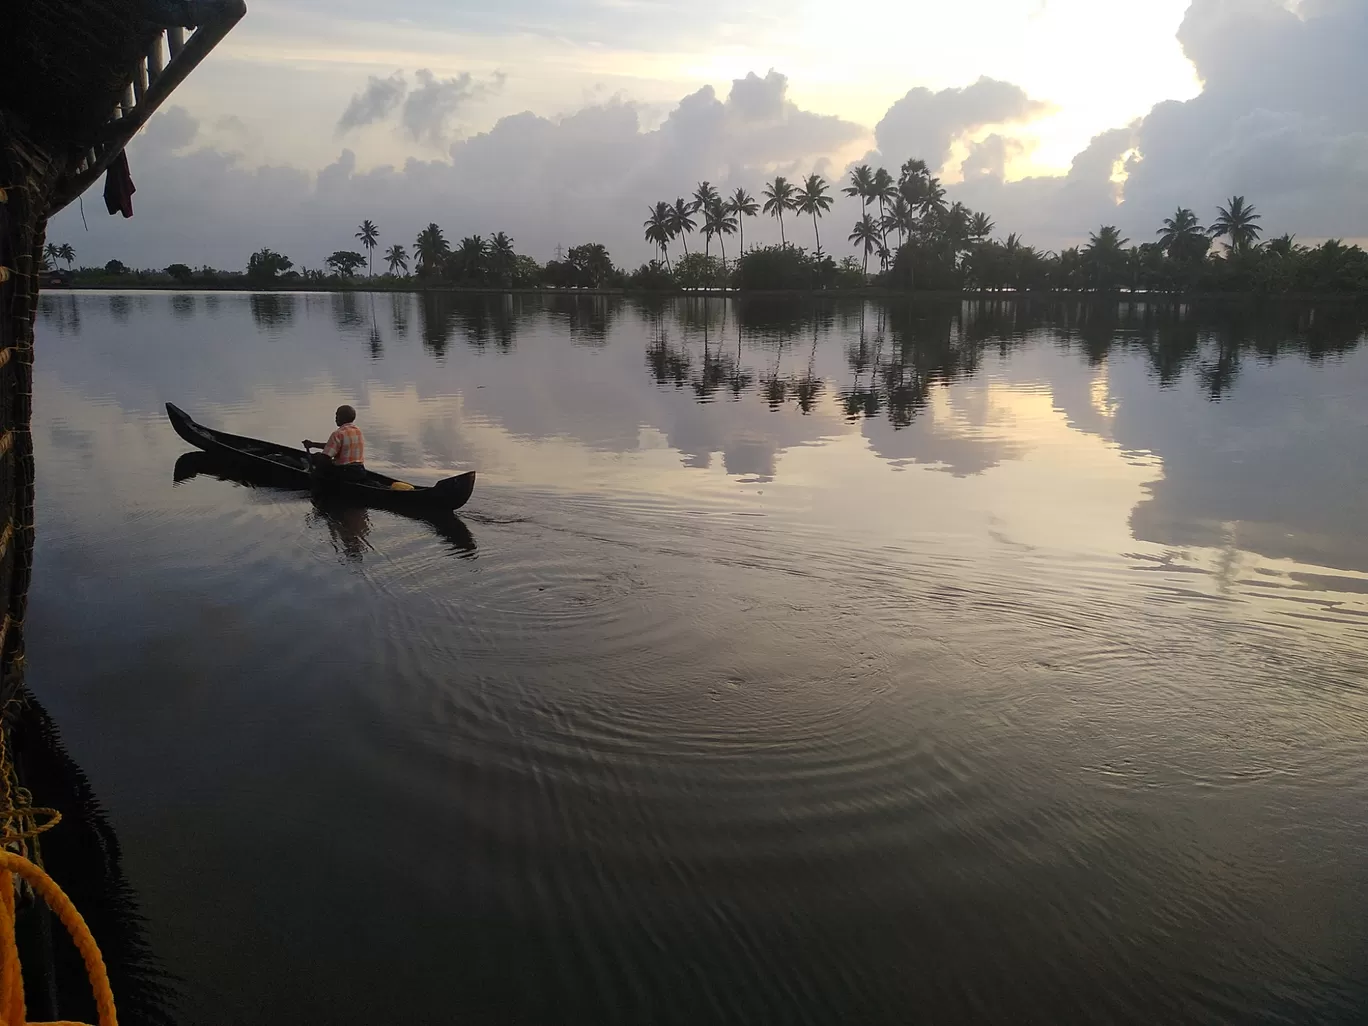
x,y
77,81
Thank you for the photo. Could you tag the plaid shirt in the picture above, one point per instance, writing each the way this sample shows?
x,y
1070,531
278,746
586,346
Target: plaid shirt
x,y
345,445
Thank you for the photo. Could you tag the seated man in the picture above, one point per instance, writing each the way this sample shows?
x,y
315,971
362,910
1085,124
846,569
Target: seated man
x,y
344,454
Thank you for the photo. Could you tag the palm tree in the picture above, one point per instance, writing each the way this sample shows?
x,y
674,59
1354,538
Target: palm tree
x,y
1104,255
913,169
812,199
866,234
473,255
1283,246
955,227
980,227
66,254
932,199
1180,232
1238,221
397,258
881,188
720,221
502,254
861,185
1106,239
778,198
743,205
369,237
682,222
658,229
703,199
901,218
431,248
51,254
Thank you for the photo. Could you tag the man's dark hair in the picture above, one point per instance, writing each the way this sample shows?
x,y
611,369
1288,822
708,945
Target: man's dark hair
x,y
346,414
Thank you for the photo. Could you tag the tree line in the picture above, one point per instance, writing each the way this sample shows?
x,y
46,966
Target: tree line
x,y
919,241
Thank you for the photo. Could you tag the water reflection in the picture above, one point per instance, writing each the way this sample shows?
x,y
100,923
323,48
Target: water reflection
x,y
82,854
860,619
481,321
588,320
346,311
348,527
942,385
272,310
348,524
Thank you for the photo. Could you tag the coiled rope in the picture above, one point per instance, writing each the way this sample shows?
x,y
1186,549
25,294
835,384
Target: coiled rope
x,y
21,823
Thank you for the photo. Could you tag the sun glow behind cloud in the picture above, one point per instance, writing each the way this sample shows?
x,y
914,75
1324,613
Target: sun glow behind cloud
x,y
1099,63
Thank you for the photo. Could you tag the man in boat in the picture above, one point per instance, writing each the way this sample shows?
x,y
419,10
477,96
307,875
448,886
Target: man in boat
x,y
344,453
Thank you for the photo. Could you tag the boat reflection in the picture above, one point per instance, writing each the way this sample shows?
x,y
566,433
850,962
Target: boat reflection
x,y
348,524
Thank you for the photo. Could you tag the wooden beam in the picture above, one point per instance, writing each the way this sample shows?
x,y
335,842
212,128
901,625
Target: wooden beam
x,y
147,97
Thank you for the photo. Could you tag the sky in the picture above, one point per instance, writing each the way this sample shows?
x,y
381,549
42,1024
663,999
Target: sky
x,y
561,122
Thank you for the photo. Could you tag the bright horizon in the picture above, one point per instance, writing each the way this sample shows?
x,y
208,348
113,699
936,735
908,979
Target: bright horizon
x,y
559,123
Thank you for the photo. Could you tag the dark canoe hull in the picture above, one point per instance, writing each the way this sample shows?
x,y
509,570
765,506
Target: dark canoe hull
x,y
289,467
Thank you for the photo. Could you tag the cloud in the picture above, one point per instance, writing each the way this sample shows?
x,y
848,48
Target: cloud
x,y
759,99
173,130
1295,143
547,181
1280,120
377,101
989,158
231,124
433,104
926,124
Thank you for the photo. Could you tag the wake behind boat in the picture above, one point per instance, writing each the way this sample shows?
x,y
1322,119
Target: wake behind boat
x,y
290,466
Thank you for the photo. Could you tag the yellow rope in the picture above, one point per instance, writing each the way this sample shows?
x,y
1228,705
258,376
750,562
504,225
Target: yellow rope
x,y
19,820
11,980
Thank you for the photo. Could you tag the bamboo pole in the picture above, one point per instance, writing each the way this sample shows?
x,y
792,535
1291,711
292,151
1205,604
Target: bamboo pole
x,y
139,81
154,60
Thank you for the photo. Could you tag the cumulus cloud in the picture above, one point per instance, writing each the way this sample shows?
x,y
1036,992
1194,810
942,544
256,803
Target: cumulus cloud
x,y
547,181
173,130
989,157
434,103
1294,142
377,101
1280,120
926,124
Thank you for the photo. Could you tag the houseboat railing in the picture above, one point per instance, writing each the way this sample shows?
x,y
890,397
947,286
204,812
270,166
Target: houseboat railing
x,y
194,28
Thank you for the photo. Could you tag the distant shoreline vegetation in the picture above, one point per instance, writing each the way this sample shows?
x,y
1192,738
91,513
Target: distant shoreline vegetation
x,y
921,244
149,282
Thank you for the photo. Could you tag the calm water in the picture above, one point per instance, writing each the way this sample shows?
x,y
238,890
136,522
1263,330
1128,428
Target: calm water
x,y
794,665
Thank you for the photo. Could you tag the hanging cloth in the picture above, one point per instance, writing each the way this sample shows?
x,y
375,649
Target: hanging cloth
x,y
119,187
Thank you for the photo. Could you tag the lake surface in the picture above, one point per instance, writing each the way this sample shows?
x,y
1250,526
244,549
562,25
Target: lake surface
x,y
994,663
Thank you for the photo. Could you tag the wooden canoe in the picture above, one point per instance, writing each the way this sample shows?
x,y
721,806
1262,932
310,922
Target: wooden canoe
x,y
292,467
